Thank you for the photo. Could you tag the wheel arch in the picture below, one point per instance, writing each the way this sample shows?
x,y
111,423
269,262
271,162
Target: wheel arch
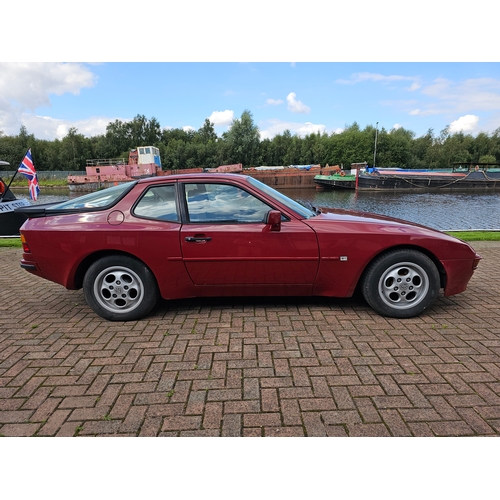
x,y
90,259
435,260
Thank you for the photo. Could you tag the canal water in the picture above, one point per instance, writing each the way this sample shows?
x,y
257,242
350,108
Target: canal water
x,y
444,211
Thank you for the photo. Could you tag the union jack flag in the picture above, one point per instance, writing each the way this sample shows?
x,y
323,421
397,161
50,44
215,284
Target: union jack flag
x,y
28,170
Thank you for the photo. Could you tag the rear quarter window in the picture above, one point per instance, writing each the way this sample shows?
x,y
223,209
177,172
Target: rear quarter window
x,y
159,203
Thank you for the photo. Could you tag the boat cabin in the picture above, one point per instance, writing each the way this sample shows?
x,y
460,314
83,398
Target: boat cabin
x,y
144,155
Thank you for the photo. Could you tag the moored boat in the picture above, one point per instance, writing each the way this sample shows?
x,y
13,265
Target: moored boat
x,y
338,178
336,181
10,222
477,178
142,162
428,180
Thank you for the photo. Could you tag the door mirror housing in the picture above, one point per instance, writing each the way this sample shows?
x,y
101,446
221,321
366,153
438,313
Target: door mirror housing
x,y
274,220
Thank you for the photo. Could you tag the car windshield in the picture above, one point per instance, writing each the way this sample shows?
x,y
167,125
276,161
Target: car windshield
x,y
293,205
99,199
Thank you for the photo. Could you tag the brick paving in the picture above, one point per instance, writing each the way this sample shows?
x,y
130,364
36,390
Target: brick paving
x,y
248,367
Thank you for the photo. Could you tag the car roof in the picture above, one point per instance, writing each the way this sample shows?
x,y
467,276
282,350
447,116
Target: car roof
x,y
196,177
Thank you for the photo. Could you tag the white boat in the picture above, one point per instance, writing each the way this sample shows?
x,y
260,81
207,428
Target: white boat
x,y
10,222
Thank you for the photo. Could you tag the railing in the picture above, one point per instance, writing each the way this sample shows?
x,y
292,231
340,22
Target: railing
x,y
106,162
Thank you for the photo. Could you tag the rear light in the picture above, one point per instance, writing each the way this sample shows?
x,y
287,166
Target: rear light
x,y
26,248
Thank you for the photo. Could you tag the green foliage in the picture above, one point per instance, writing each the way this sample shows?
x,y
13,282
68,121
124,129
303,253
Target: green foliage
x,y
243,141
181,149
487,159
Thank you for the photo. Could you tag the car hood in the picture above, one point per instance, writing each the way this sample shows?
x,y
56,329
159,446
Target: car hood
x,y
389,229
342,215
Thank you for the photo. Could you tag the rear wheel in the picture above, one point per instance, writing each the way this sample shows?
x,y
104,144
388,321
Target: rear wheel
x,y
401,283
120,288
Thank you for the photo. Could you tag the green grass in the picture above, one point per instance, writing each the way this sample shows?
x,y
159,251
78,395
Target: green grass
x,y
476,235
20,182
10,242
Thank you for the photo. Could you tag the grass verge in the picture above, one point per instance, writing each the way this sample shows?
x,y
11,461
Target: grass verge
x,y
10,242
476,235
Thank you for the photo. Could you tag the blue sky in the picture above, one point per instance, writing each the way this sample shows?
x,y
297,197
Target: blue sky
x,y
301,97
376,62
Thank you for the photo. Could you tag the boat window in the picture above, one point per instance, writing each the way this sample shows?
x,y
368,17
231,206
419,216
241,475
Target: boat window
x,y
148,151
158,202
141,151
99,199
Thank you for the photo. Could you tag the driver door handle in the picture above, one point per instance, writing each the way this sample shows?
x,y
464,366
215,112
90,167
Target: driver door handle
x,y
197,239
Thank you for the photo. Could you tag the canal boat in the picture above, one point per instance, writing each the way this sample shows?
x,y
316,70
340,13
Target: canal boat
x,y
142,162
460,177
10,221
391,179
336,181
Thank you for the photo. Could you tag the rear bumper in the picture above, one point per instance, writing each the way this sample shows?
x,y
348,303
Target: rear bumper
x,y
31,267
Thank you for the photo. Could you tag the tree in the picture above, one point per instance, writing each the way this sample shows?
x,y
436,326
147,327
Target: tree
x,y
243,140
74,150
143,132
206,133
490,159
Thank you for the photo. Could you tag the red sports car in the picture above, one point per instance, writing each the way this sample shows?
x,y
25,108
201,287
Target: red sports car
x,y
201,235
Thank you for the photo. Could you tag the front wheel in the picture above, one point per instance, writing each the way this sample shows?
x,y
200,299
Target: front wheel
x,y
401,283
120,288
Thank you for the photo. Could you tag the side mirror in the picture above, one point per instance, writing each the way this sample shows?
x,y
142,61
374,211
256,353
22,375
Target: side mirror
x,y
274,220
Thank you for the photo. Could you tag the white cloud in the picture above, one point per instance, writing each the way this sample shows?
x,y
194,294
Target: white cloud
x,y
27,86
48,128
188,128
274,102
473,94
376,77
296,106
222,117
396,126
310,128
276,127
427,112
467,123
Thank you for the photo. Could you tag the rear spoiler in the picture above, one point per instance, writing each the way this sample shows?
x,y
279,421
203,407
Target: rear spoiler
x,y
34,211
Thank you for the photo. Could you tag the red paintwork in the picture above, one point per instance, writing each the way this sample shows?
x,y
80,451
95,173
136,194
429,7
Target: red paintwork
x,y
305,257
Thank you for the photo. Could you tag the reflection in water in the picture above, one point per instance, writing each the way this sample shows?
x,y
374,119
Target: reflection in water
x,y
443,211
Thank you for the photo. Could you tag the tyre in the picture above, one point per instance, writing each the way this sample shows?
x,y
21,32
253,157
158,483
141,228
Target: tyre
x,y
401,283
120,288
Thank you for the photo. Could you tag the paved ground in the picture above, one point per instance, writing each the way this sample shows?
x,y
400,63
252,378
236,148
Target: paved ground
x,y
257,367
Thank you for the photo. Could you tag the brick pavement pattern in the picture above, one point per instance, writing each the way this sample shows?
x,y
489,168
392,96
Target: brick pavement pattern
x,y
248,367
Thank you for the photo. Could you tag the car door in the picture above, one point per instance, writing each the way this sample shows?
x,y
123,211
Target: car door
x,y
226,240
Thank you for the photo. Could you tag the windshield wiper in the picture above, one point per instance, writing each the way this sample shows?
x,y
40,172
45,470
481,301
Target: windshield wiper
x,y
311,207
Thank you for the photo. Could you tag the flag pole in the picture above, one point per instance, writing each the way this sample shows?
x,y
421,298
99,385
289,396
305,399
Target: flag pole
x,y
12,178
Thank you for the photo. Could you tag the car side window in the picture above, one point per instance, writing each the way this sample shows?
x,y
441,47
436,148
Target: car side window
x,y
223,204
158,202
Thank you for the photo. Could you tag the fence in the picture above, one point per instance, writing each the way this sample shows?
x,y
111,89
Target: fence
x,y
43,175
